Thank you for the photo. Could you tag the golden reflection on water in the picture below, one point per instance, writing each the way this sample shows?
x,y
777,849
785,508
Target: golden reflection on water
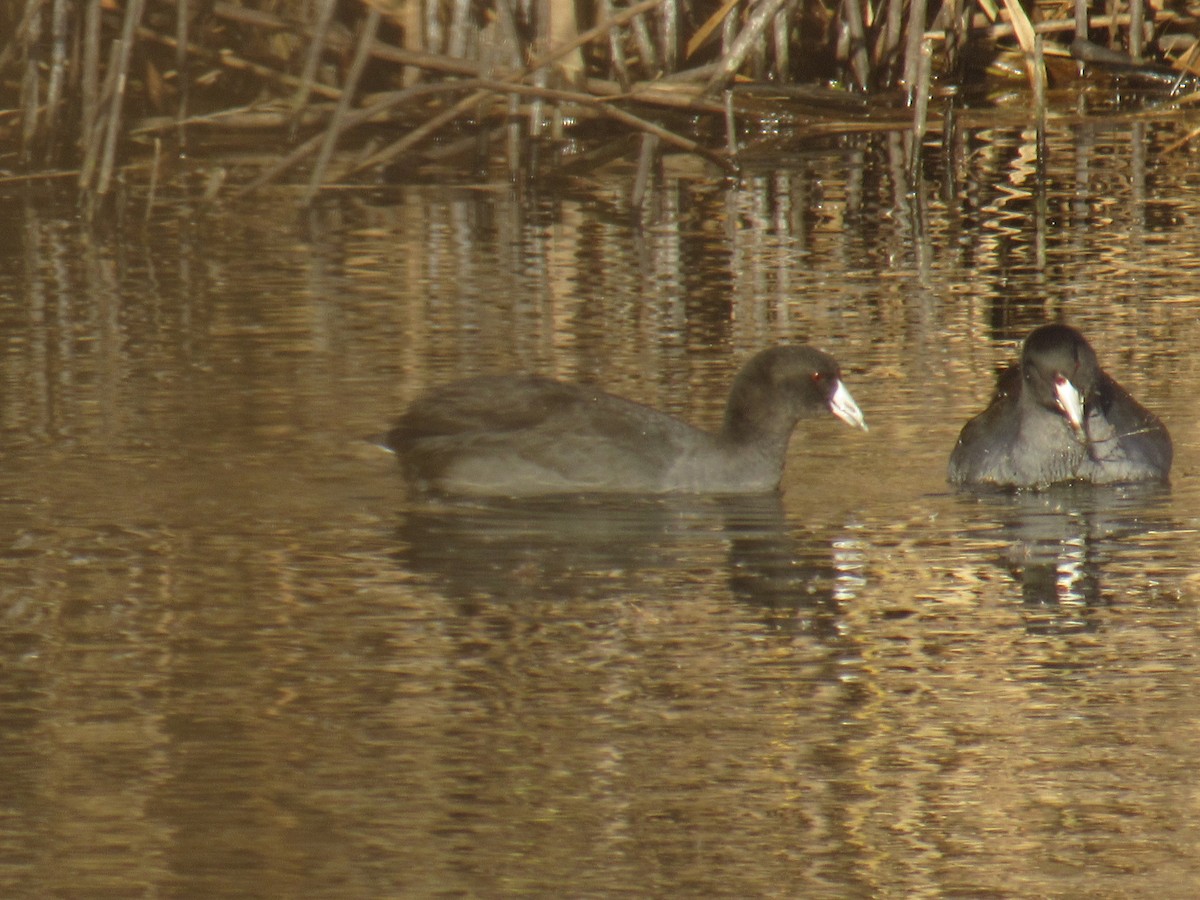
x,y
241,659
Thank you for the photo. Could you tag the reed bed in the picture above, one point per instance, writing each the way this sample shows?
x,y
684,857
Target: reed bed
x,y
329,93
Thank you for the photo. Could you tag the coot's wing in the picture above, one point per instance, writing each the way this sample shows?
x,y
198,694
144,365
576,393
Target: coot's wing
x,y
985,444
1143,439
485,405
518,435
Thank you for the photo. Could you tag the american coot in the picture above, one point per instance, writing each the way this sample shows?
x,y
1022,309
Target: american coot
x,y
1058,417
522,435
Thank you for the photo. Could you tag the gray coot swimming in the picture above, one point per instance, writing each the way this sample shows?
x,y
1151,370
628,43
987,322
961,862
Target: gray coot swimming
x,y
1058,417
523,435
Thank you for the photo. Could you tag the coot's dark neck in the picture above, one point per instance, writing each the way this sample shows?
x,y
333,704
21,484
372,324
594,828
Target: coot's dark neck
x,y
753,419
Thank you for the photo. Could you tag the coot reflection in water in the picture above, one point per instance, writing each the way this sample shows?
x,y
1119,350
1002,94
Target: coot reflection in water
x,y
557,549
1058,417
1059,541
526,435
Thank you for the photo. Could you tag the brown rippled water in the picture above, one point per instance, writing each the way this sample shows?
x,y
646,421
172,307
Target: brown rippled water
x,y
238,660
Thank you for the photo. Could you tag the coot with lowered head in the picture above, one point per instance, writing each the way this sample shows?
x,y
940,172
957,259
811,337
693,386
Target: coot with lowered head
x,y
527,435
1058,417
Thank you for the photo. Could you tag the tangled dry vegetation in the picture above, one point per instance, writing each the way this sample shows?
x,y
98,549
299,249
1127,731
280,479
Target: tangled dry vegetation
x,y
330,92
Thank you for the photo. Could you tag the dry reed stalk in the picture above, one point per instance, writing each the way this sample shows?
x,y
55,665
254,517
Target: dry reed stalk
x,y
93,140
889,41
336,124
312,59
133,16
876,38
183,82
380,108
154,173
746,40
852,21
58,66
920,122
647,155
914,46
239,64
645,46
1039,101
731,141
20,36
460,28
1027,38
1137,28
780,43
89,76
616,49
421,132
30,85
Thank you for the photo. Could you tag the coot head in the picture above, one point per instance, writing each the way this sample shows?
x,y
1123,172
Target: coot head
x,y
782,384
1060,372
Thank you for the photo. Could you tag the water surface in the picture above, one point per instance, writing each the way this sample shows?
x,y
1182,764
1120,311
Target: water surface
x,y
239,659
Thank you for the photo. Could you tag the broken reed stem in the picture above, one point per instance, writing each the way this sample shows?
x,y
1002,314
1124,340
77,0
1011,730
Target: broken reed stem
x,y
668,17
1039,100
488,87
363,53
30,84
89,80
1137,23
93,140
316,45
379,108
133,15
182,79
616,49
860,65
731,142
780,44
463,106
20,37
58,67
237,63
920,124
647,154
101,114
154,172
915,46
747,40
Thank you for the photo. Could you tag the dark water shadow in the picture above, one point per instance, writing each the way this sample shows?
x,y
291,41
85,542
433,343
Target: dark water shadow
x,y
1059,544
580,548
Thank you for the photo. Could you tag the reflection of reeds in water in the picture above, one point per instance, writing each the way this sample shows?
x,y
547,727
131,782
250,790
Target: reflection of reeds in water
x,y
85,81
